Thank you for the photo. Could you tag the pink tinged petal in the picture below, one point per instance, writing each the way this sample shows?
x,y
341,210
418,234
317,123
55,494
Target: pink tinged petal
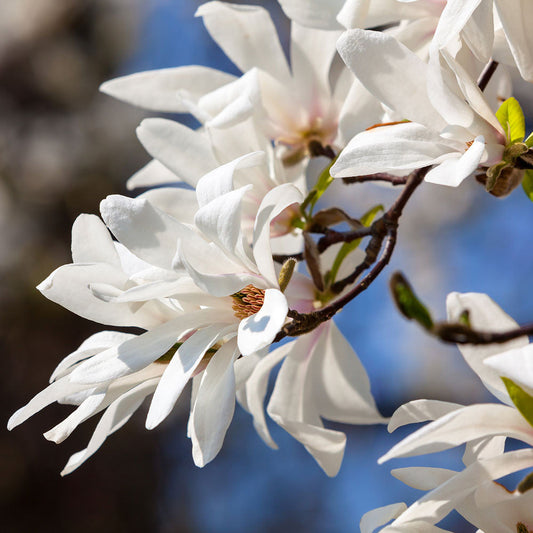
x,y
159,90
92,243
91,346
247,36
420,411
463,425
484,315
381,516
153,173
399,147
220,222
116,415
214,405
313,13
274,202
340,383
312,52
515,364
452,172
149,233
256,388
185,152
397,82
233,103
180,369
180,204
292,407
516,16
220,180
259,330
139,352
423,478
69,287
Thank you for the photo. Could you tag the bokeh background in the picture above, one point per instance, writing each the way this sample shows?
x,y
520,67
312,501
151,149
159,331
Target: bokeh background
x,y
63,147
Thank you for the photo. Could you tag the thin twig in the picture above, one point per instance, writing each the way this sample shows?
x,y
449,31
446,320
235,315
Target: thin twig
x,y
486,75
461,334
379,176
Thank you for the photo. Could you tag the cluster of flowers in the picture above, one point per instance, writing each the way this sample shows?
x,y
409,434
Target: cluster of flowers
x,y
205,260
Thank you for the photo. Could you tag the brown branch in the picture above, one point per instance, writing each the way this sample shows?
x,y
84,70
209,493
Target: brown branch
x,y
379,176
462,334
486,75
384,229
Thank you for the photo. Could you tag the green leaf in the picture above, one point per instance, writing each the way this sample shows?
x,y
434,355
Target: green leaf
x,y
408,303
323,182
511,117
349,247
529,141
527,184
522,400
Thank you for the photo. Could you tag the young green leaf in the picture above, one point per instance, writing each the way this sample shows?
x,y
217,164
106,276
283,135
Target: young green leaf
x,y
522,400
511,117
408,303
527,184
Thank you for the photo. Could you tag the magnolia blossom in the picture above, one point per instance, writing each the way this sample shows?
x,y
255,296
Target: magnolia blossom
x,y
449,126
201,292
484,428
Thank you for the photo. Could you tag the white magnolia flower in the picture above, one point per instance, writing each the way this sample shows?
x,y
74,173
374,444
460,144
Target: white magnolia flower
x,y
203,294
290,104
450,126
483,427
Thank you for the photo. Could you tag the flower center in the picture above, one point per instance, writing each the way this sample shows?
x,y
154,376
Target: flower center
x,y
247,301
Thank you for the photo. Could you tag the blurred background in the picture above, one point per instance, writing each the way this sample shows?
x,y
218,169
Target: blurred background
x,y
64,147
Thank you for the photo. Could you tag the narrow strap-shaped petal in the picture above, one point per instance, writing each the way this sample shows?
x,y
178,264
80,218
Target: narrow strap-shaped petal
x,y
180,203
91,242
313,13
187,153
159,90
420,411
214,405
115,416
153,173
380,516
247,36
423,477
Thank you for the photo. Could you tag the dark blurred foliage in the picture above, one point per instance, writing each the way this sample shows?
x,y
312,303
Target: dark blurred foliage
x,y
63,147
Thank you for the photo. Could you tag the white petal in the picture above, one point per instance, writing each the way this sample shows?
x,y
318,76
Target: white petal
x,y
313,13
453,19
187,153
214,405
146,231
339,381
159,90
463,425
484,315
379,517
180,369
91,242
180,203
274,202
515,364
452,172
398,147
153,173
69,287
220,180
420,411
140,351
478,32
247,36
258,331
116,415
397,82
423,478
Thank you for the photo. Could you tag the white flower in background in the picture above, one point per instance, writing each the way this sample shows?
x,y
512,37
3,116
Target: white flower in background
x,y
203,294
292,105
451,127
483,427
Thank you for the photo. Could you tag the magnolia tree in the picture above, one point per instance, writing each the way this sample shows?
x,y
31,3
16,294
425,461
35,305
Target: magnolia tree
x,y
232,249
